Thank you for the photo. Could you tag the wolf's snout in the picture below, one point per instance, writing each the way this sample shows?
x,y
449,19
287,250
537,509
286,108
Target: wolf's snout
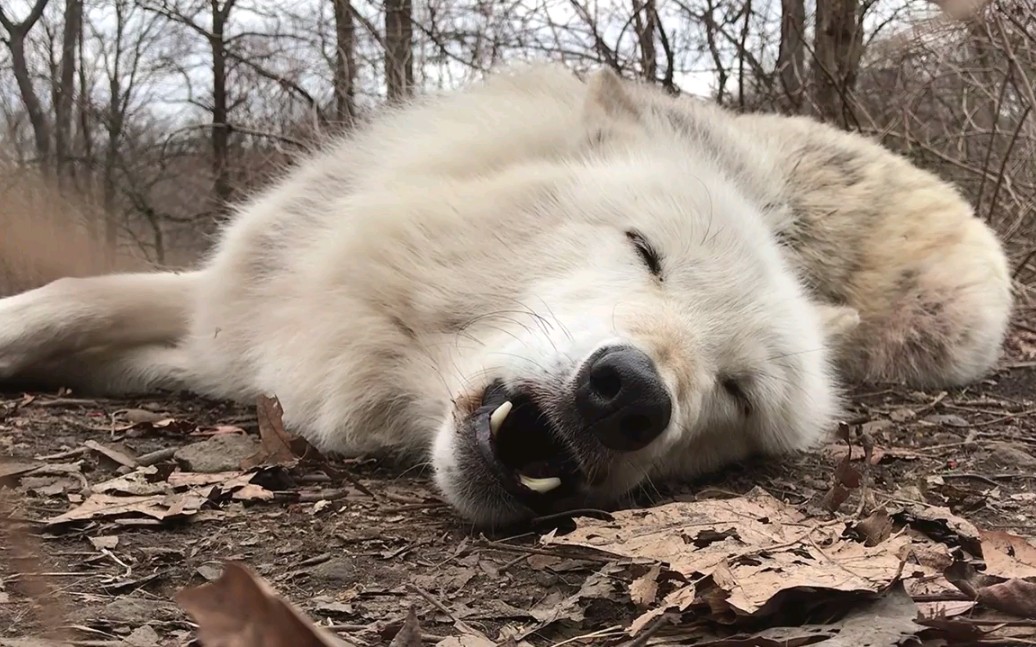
x,y
622,398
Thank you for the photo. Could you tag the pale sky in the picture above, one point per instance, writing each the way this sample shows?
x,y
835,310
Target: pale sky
x,y
167,93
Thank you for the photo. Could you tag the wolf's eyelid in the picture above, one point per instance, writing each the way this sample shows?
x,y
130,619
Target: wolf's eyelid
x,y
733,387
650,255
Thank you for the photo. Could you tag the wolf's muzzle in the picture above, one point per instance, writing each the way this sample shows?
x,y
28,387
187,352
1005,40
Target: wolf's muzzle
x,y
622,399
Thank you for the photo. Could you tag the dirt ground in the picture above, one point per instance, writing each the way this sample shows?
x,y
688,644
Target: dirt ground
x,y
355,544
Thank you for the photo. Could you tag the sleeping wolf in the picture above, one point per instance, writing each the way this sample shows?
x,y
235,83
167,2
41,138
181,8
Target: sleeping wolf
x,y
553,288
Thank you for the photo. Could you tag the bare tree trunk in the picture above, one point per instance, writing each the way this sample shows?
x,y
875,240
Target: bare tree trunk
x,y
742,54
982,101
345,62
83,107
399,52
711,29
16,33
84,117
791,58
114,123
66,88
155,221
111,222
645,23
837,48
220,126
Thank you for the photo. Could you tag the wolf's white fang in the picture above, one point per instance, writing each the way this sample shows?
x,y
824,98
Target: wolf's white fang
x,y
473,249
496,419
541,485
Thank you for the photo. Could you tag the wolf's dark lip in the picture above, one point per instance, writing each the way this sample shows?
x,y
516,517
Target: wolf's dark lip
x,y
526,449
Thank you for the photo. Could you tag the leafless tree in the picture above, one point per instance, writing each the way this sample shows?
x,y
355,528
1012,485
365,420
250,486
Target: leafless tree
x,y
123,51
71,32
220,118
399,49
16,33
215,35
165,110
645,18
345,61
791,60
837,50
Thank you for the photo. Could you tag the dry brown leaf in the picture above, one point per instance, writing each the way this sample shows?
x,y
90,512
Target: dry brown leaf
x,y
144,636
73,469
135,483
857,453
1008,555
465,640
775,548
678,600
880,623
220,430
1015,596
243,489
944,609
50,486
252,492
644,589
941,525
923,572
276,444
835,497
555,607
241,610
238,484
409,635
116,455
876,528
157,506
192,479
9,469
104,542
138,416
847,475
902,414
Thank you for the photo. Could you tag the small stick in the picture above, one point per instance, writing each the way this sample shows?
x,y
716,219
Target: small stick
x,y
441,607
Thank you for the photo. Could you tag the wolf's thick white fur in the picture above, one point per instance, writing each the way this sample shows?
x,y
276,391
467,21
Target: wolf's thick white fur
x,y
381,285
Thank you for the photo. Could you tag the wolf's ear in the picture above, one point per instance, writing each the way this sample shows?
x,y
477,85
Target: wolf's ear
x,y
838,321
608,104
607,96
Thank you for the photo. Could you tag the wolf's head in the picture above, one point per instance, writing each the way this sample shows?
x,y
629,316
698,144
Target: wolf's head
x,y
647,325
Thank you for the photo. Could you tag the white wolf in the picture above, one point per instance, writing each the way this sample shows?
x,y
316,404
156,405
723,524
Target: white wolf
x,y
554,289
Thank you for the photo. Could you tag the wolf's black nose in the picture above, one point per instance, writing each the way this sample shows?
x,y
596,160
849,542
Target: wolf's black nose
x,y
622,398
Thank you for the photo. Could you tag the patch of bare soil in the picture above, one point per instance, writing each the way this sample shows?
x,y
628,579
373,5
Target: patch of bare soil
x,y
914,525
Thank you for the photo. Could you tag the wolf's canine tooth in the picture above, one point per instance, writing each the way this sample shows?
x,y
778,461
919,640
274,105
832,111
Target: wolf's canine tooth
x,y
496,419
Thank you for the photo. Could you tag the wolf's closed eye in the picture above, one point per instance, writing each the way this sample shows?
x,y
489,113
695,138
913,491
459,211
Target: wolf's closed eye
x,y
651,257
734,389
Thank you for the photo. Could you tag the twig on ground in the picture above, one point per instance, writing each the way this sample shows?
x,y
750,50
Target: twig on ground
x,y
607,632
988,478
460,624
1004,418
648,632
507,548
78,451
156,456
67,402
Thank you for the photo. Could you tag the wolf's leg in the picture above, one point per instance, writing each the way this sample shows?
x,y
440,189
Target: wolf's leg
x,y
936,312
136,370
106,327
